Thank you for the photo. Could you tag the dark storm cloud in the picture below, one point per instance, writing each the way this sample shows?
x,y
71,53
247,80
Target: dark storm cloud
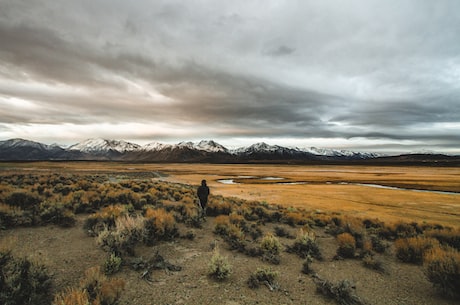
x,y
373,70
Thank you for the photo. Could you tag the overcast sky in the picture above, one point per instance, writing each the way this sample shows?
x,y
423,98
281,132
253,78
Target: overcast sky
x,y
380,76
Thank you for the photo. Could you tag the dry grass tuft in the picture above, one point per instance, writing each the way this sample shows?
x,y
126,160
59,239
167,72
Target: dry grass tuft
x,y
442,267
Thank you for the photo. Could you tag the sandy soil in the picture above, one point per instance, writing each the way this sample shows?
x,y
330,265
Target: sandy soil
x,y
68,252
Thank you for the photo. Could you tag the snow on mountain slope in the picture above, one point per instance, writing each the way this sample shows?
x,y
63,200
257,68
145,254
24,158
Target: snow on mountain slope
x,y
211,146
102,145
337,153
18,143
156,146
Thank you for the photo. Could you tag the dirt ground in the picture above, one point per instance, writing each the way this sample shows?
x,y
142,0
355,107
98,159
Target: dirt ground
x,y
68,252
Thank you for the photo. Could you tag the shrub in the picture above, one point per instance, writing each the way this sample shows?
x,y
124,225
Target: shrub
x,y
104,219
305,245
271,243
22,281
112,264
23,199
218,207
222,225
264,276
270,247
56,213
159,225
306,266
411,250
100,289
218,267
442,267
347,245
294,218
282,232
343,292
11,216
370,262
72,296
447,236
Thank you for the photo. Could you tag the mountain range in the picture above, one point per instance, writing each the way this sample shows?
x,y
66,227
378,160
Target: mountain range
x,y
203,151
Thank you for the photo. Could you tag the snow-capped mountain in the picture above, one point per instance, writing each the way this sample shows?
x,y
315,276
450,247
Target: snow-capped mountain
x,y
338,153
156,146
20,149
211,146
265,148
202,151
102,146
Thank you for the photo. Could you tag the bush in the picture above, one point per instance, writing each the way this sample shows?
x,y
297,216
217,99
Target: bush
x,y
100,289
306,266
305,245
23,199
347,245
112,264
72,296
447,236
264,276
218,267
271,247
411,250
442,267
56,213
159,225
343,292
218,207
23,282
370,262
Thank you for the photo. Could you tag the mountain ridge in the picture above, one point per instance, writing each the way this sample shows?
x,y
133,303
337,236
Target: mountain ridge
x,y
99,149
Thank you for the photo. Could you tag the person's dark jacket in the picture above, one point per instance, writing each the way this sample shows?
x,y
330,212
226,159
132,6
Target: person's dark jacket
x,y
203,193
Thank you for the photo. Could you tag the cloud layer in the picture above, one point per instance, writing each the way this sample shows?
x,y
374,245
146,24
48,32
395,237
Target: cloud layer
x,y
369,75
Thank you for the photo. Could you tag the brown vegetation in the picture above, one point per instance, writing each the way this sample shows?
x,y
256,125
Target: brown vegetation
x,y
133,218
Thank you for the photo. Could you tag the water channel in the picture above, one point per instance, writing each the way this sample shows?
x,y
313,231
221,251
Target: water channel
x,y
278,179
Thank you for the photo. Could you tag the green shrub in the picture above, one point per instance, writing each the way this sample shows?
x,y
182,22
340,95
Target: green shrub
x,y
305,244
23,199
218,266
271,247
442,267
306,266
342,292
23,282
112,264
264,276
56,213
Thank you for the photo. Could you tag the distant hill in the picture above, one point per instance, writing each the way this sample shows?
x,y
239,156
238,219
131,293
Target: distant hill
x,y
203,151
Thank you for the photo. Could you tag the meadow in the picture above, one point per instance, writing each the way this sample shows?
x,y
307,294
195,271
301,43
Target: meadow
x,y
120,233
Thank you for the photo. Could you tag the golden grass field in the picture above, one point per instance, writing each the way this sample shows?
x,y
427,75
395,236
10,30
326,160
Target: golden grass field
x,y
326,188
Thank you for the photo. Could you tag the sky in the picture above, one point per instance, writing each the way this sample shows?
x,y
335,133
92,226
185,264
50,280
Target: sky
x,y
377,76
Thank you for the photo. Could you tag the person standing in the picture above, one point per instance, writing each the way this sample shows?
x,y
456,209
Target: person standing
x,y
203,193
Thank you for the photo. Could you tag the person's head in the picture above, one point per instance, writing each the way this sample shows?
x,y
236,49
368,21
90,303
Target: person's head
x,y
203,182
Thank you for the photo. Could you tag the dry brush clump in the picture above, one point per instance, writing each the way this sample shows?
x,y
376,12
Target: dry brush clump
x,y
94,289
159,225
347,245
411,250
442,268
23,281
